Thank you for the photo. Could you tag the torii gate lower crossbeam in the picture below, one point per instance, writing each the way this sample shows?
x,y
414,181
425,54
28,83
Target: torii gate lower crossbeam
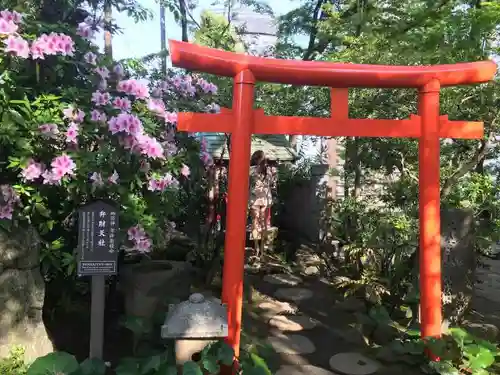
x,y
243,121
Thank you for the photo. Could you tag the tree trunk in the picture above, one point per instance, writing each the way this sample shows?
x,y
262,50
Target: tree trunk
x,y
184,21
108,43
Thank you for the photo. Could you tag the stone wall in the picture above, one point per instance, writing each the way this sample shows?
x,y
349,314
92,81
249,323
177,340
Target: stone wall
x,y
458,261
302,211
22,293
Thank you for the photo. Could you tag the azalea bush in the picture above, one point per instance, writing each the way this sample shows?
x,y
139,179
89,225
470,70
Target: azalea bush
x,y
105,135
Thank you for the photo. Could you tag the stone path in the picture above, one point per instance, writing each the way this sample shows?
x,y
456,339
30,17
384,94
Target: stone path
x,y
309,331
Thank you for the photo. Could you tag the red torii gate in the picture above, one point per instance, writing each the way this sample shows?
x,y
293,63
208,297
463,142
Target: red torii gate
x,y
243,121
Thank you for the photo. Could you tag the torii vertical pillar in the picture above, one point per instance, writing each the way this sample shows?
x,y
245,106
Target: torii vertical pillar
x,y
429,206
236,214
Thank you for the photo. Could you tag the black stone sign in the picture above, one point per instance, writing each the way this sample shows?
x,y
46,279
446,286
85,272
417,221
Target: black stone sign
x,y
97,239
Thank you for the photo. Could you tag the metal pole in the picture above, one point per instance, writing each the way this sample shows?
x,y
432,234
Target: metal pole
x,y
163,40
98,300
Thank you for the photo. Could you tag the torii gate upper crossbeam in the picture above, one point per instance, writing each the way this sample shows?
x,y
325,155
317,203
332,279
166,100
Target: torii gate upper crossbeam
x,y
243,120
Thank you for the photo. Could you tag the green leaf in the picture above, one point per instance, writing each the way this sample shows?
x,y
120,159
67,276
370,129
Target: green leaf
x,y
169,370
225,354
151,364
380,314
128,366
191,368
480,371
259,366
92,366
42,210
460,335
16,117
137,325
57,363
482,360
210,364
444,368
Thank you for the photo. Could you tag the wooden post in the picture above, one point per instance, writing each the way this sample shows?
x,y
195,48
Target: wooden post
x,y
429,205
236,217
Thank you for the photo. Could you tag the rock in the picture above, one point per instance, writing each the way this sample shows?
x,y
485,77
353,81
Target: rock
x,y
151,285
351,304
271,308
353,364
302,370
283,279
292,323
311,271
458,260
292,344
293,294
485,331
20,248
22,294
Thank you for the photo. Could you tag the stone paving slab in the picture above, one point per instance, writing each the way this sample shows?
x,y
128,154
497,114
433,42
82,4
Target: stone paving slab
x,y
304,348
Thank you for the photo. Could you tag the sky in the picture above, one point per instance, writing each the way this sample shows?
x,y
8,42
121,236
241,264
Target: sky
x,y
141,39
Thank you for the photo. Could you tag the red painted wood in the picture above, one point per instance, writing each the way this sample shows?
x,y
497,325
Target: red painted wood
x,y
409,128
319,73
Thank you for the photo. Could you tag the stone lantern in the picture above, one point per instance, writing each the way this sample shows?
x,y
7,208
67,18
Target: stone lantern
x,y
194,324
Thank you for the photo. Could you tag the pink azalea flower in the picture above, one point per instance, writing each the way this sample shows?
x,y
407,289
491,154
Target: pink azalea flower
x,y
212,108
53,44
207,87
185,171
73,114
50,179
113,179
17,45
72,133
98,116
122,103
9,195
11,16
103,72
85,30
157,106
171,117
90,58
100,98
6,211
7,27
32,171
136,233
162,183
206,158
63,165
37,50
126,123
150,147
49,130
170,148
96,179
133,87
157,92
143,245
103,85
118,70
203,144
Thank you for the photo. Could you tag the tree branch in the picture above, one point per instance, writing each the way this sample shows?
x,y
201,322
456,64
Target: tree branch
x,y
314,31
465,168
